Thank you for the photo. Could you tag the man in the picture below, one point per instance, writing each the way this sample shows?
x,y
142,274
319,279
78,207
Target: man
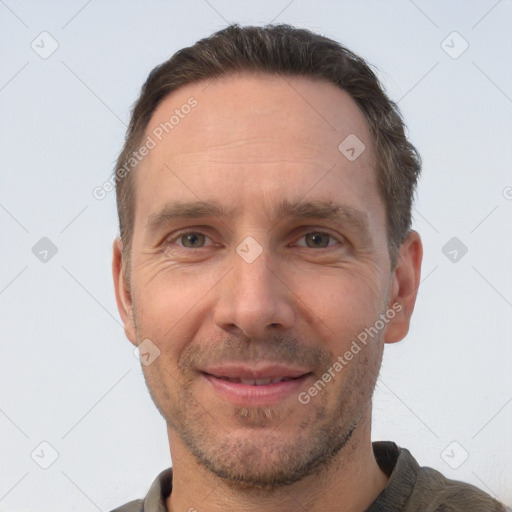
x,y
264,196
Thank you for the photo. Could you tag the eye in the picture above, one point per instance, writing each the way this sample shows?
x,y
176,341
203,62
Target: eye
x,y
318,240
190,240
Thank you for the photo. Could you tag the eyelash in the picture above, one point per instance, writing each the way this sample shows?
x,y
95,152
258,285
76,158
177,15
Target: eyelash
x,y
178,236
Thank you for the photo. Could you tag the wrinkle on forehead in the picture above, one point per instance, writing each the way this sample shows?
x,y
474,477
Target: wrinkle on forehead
x,y
254,141
246,110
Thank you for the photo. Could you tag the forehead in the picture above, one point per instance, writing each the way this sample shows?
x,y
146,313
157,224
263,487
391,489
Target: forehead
x,y
254,133
233,111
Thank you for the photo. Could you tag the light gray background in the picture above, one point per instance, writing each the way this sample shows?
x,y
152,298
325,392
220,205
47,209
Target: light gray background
x,y
68,375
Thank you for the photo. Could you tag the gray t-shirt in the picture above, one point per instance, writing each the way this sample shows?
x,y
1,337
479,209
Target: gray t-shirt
x,y
410,488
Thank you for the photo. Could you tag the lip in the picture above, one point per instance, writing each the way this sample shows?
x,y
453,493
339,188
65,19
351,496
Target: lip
x,y
261,371
255,395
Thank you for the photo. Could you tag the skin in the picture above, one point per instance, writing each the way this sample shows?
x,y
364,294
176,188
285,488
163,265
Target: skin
x,y
252,142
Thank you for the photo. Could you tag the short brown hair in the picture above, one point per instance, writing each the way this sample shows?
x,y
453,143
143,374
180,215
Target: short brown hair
x,y
283,49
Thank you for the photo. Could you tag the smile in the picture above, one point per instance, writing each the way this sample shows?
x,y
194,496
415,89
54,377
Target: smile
x,y
255,386
256,382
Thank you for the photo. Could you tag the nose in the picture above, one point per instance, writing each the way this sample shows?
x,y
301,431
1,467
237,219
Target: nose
x,y
254,299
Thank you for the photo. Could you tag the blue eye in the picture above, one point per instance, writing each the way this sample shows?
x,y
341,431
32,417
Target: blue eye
x,y
317,239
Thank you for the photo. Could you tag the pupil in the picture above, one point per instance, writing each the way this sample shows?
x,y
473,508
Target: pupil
x,y
318,240
191,240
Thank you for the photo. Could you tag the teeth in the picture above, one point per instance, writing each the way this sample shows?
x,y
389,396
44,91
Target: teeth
x,y
258,382
263,382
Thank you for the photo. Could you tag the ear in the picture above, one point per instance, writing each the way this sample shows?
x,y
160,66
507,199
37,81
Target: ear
x,y
404,287
123,292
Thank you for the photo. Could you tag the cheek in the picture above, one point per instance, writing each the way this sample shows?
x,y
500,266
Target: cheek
x,y
341,303
169,303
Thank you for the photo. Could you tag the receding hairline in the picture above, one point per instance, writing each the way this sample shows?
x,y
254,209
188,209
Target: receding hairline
x,y
263,76
291,51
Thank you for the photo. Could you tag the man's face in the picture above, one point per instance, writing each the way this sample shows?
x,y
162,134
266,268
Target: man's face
x,y
259,253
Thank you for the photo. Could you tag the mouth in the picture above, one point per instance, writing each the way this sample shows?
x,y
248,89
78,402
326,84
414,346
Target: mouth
x,y
255,386
256,382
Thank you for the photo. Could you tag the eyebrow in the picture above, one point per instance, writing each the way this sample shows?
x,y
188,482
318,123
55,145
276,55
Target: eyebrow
x,y
327,210
185,210
285,209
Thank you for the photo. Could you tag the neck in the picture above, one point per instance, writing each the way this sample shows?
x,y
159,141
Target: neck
x,y
351,482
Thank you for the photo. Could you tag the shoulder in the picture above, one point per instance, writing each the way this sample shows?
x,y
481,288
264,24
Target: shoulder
x,y
155,498
415,488
446,495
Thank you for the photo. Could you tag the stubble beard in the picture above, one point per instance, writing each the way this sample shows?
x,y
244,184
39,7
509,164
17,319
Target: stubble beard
x,y
270,450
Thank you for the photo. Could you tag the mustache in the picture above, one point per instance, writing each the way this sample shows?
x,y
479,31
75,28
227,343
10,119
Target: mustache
x,y
276,349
